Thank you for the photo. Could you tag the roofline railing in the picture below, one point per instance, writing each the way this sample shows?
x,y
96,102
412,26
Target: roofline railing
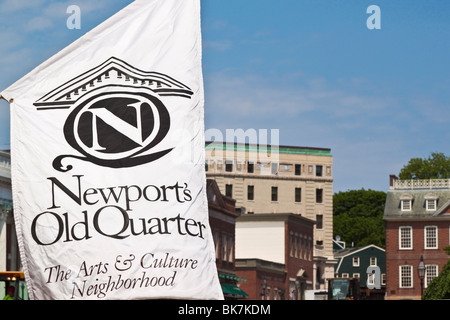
x,y
416,184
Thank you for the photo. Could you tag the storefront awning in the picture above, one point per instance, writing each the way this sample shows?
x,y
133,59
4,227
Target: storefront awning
x,y
232,291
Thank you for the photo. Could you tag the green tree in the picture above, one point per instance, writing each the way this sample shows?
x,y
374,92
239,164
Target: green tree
x,y
436,166
439,287
358,217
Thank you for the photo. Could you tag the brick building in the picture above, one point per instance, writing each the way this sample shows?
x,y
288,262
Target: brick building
x,y
274,252
222,218
417,216
281,179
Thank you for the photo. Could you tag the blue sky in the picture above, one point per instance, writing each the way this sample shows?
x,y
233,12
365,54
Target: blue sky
x,y
309,68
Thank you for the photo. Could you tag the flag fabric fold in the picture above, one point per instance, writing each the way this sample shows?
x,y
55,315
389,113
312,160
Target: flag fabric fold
x,y
107,152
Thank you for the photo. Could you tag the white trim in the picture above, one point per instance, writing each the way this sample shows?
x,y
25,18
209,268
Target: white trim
x,y
341,258
400,238
400,276
426,273
403,202
425,237
433,206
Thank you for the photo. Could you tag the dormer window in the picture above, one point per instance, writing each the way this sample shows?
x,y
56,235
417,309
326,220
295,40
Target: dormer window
x,y
406,205
431,202
406,202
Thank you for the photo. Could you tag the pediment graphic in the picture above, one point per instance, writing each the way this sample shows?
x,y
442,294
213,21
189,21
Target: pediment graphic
x,y
113,73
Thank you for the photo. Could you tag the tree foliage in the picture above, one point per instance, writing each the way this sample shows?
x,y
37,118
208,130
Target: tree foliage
x,y
436,166
358,217
439,288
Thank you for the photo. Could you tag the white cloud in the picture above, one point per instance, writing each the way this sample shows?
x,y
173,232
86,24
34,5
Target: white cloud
x,y
217,45
259,96
356,125
58,9
9,6
38,24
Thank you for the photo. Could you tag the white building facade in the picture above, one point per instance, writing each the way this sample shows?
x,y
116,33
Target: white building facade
x,y
281,179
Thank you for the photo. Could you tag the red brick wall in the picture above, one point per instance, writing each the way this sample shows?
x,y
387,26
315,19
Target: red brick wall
x,y
254,284
294,264
396,257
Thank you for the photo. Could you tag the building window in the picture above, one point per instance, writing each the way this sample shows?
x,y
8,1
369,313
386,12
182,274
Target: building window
x,y
319,195
431,272
300,248
250,192
274,193
216,244
298,194
229,190
431,241
284,167
224,247
406,205
405,238
405,277
296,246
219,165
274,168
230,249
229,165
319,221
373,261
262,167
371,279
430,204
431,201
250,167
345,275
355,261
298,169
319,171
291,244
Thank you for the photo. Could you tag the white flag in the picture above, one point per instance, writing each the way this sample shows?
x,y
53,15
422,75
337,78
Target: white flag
x,y
107,147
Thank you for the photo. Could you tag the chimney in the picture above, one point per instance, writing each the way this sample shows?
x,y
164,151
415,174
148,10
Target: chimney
x,y
392,178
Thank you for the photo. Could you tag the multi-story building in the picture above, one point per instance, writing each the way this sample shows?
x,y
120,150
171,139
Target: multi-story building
x,y
417,216
281,179
275,253
222,219
368,264
9,255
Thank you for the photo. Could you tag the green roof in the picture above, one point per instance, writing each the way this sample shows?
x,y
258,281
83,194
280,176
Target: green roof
x,y
268,148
